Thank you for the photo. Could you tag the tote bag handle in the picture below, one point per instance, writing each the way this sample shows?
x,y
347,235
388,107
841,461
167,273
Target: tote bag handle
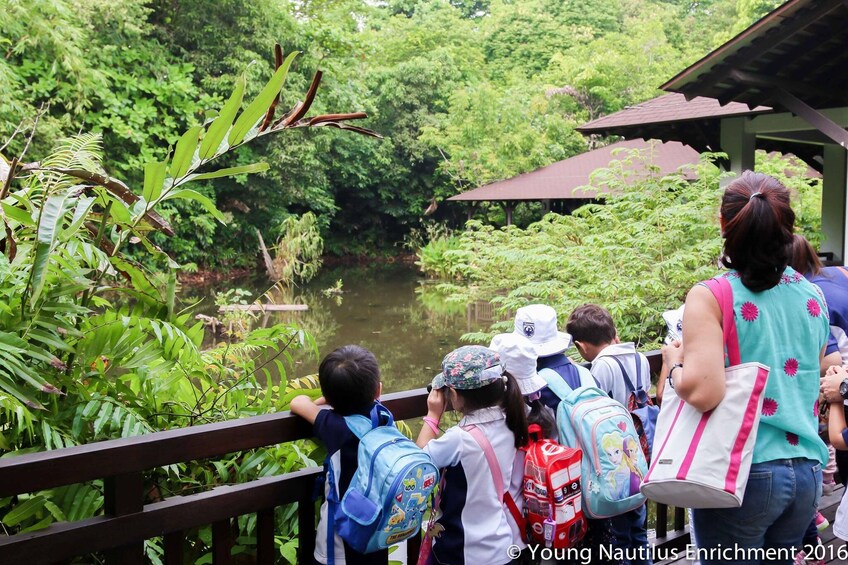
x,y
723,292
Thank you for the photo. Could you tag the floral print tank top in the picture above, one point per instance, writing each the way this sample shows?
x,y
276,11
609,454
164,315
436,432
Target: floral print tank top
x,y
784,328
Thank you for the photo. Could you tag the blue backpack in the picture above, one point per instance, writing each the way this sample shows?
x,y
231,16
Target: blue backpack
x,y
613,463
389,490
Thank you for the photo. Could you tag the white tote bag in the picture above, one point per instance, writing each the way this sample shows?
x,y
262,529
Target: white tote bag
x,y
702,459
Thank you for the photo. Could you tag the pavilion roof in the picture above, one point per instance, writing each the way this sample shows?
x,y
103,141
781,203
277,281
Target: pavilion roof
x,y
798,48
559,180
695,122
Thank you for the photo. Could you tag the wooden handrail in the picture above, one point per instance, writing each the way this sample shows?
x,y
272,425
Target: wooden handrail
x,y
127,522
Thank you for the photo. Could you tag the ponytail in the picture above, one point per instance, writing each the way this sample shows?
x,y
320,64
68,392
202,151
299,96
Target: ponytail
x,y
757,223
541,416
513,405
503,392
803,258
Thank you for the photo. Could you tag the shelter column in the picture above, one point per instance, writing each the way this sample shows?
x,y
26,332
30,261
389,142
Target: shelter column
x,y
833,206
739,144
508,209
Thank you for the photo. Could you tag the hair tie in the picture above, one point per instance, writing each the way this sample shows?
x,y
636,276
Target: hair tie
x,y
758,193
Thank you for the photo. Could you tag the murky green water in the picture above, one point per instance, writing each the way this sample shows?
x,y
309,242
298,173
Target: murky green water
x,y
385,308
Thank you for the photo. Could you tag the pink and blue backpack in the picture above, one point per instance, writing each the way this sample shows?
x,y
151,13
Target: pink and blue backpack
x,y
613,462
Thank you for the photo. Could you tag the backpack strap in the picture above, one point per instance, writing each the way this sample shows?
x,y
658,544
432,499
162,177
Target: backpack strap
x,y
497,476
332,503
555,382
624,372
723,292
361,425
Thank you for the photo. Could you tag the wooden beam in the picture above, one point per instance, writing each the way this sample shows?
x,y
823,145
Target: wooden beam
x,y
263,308
812,116
786,122
37,471
68,539
771,82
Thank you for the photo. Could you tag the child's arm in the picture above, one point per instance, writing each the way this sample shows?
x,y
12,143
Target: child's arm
x,y
661,378
435,409
836,428
304,407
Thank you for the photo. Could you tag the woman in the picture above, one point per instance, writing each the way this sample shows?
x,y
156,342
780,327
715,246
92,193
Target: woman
x,y
782,323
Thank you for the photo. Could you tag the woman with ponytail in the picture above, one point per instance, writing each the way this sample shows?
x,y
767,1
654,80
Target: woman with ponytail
x,y
781,321
474,524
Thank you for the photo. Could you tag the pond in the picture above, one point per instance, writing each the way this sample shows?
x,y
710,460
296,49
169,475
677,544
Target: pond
x,y
389,309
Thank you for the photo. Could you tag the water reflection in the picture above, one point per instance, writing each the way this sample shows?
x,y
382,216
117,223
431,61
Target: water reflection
x,y
388,309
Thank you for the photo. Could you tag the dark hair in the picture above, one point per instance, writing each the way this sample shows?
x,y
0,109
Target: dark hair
x,y
350,379
541,416
591,323
803,258
508,397
758,221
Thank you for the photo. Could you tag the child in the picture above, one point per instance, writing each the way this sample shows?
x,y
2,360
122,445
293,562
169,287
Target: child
x,y
597,341
518,357
538,323
350,383
475,526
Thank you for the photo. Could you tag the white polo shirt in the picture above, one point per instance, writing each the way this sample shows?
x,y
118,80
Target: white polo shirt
x,y
478,528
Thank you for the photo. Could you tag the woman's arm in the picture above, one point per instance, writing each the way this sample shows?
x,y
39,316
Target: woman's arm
x,y
700,382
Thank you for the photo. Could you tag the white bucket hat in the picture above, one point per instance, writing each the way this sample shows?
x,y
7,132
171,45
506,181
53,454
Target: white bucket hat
x,y
538,323
518,356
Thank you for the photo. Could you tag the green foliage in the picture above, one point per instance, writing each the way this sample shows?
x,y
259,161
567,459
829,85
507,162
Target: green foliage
x,y
637,255
465,92
92,343
298,249
441,257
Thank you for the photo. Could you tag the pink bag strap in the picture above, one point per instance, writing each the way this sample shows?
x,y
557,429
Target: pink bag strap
x,y
484,444
723,292
497,476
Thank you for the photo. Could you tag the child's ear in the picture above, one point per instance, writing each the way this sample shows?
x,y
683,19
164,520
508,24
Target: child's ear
x,y
379,390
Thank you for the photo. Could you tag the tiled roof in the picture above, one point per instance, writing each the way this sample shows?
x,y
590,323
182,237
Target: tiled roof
x,y
559,180
668,108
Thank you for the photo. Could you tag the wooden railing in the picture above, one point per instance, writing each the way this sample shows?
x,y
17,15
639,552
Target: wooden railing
x,y
127,521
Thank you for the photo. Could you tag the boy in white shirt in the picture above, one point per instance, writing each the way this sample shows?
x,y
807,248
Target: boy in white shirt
x,y
597,341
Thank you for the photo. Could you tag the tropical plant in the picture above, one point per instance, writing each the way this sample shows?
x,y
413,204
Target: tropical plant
x,y
297,254
93,344
637,254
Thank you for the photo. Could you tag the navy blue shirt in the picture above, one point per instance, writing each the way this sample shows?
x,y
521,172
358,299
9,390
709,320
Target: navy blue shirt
x,y
833,283
562,365
334,433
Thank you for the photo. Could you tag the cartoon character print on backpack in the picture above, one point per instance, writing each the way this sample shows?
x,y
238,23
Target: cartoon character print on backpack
x,y
389,490
410,500
553,513
604,430
625,476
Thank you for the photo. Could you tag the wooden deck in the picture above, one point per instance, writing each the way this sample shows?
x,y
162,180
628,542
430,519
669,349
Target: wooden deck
x,y
835,550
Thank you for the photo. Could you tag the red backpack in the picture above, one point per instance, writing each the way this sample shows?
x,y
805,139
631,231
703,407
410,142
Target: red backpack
x,y
553,503
553,509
